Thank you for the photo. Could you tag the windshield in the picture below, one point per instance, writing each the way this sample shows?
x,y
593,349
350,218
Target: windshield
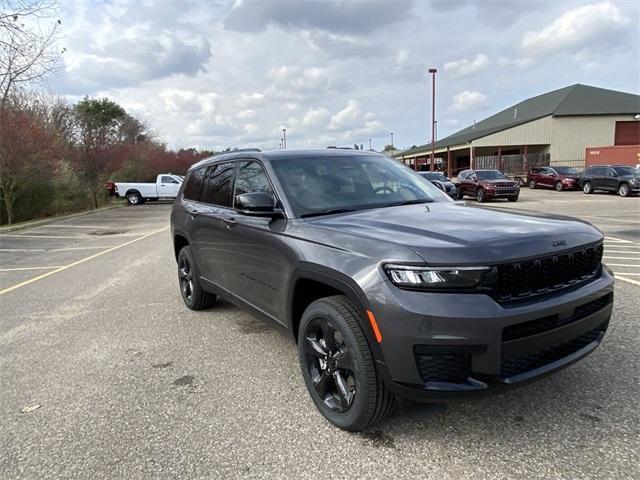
x,y
490,175
565,171
332,184
435,176
626,171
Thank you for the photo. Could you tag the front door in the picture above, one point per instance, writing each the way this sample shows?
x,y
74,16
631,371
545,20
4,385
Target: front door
x,y
168,187
257,256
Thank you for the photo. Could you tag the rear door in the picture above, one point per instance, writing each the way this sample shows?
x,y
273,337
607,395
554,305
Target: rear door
x,y
610,181
257,256
168,186
598,177
545,178
210,240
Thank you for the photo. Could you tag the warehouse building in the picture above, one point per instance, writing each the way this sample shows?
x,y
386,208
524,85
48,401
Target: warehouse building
x,y
554,128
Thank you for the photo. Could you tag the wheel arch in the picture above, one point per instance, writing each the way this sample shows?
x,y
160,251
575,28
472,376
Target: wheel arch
x,y
179,242
133,190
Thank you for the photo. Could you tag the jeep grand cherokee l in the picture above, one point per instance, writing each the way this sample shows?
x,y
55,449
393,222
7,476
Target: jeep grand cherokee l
x,y
486,185
621,179
389,287
558,178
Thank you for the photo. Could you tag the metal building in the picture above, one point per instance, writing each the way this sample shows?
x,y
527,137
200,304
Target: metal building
x,y
554,128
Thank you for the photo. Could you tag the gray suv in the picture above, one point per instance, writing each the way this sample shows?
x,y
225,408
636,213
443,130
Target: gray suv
x,y
389,288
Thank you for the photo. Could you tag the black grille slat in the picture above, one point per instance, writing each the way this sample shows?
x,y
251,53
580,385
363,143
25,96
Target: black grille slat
x,y
544,324
525,363
532,277
443,367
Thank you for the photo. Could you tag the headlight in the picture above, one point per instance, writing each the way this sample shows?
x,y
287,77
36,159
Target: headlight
x,y
427,278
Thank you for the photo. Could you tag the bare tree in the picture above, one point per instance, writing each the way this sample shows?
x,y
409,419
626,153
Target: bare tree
x,y
28,35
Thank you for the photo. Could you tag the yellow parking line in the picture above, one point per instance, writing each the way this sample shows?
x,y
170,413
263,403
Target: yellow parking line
x,y
58,270
628,280
28,268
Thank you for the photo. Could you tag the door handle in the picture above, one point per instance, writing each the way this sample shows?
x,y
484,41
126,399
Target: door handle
x,y
193,212
230,221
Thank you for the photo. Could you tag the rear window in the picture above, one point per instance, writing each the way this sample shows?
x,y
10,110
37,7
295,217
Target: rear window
x,y
193,185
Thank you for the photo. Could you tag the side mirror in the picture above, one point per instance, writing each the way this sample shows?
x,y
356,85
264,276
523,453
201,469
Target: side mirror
x,y
613,173
258,204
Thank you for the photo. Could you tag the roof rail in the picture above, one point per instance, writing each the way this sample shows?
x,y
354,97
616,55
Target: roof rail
x,y
236,151
339,148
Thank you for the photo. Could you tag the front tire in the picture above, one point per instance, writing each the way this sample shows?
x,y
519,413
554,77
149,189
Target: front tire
x,y
532,184
624,190
480,195
338,367
193,295
587,188
558,186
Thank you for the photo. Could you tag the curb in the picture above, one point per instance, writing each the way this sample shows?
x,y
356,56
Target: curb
x,y
44,221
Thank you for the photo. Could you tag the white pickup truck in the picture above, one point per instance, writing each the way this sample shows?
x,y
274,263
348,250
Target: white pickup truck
x,y
166,186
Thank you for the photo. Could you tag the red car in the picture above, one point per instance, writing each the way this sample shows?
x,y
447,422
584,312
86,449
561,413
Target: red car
x,y
486,185
559,178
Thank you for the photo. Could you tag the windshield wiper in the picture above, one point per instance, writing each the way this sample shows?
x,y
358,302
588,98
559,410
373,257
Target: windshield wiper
x,y
409,202
328,212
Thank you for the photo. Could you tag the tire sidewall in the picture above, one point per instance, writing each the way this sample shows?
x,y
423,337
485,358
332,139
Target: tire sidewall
x,y
480,196
558,186
624,190
197,291
587,188
532,184
357,414
135,197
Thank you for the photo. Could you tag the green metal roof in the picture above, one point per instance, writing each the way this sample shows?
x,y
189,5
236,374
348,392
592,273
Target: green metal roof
x,y
576,99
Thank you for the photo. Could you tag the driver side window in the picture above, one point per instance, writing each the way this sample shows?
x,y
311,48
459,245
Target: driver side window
x,y
251,178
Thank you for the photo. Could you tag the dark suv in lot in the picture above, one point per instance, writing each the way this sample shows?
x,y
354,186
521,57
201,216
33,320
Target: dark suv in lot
x,y
621,179
486,185
558,178
390,288
442,182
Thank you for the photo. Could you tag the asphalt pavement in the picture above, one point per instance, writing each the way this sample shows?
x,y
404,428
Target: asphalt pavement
x,y
104,373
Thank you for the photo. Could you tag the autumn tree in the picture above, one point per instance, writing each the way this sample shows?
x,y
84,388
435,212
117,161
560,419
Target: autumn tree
x,y
99,128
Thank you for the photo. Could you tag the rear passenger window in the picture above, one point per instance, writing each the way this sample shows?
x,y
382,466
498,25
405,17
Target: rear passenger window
x,y
251,178
217,184
193,185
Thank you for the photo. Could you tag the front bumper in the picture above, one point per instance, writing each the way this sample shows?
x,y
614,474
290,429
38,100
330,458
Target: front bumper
x,y
440,346
501,193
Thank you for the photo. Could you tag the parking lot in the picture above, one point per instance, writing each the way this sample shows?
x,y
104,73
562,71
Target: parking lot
x,y
106,374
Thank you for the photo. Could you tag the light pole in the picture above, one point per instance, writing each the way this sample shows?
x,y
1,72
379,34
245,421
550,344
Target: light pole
x,y
436,122
284,138
391,133
370,145
433,72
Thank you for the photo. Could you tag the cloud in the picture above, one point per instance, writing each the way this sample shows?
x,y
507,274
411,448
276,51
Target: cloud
x,y
294,80
345,118
315,117
522,63
250,100
469,100
460,68
177,100
353,17
586,26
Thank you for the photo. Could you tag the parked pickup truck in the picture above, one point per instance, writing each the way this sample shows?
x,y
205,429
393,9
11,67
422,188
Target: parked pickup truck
x,y
166,186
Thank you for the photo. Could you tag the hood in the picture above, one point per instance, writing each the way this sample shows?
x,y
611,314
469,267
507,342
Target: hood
x,y
453,233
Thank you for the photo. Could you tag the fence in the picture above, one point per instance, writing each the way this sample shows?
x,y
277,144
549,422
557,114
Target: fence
x,y
511,165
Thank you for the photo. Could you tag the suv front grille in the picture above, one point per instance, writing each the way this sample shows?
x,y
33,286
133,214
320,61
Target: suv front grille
x,y
540,325
443,367
525,363
541,275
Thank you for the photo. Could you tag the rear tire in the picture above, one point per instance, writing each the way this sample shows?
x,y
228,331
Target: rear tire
x,y
193,295
587,188
532,184
338,367
558,186
624,190
134,198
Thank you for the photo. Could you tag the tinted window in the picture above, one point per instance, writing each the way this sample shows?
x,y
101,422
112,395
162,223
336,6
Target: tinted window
x,y
626,171
217,184
598,171
463,175
194,185
435,176
317,185
251,178
535,170
565,171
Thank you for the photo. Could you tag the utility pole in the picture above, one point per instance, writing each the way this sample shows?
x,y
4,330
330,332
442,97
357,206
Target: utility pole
x,y
284,138
433,72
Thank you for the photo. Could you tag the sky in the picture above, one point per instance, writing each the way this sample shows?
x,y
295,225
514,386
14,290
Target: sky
x,y
217,74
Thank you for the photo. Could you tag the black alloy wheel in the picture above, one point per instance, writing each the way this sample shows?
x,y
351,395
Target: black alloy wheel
x,y
330,365
192,293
